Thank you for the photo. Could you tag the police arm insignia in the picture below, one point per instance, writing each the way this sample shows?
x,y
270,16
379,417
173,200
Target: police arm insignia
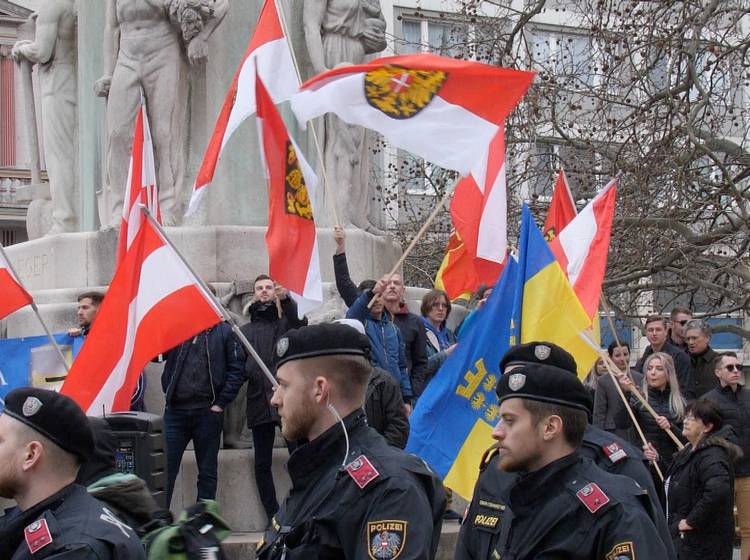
x,y
362,471
621,551
386,539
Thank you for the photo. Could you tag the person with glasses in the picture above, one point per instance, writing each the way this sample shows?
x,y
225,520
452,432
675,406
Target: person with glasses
x,y
702,356
678,318
734,401
436,307
699,486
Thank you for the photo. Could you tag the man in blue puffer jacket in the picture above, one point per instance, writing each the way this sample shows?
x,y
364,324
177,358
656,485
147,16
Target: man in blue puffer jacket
x,y
387,343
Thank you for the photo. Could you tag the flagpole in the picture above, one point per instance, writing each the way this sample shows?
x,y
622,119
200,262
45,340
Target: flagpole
x,y
420,233
36,312
318,148
224,313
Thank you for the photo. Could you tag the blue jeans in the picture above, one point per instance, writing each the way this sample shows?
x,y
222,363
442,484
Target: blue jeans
x,y
204,428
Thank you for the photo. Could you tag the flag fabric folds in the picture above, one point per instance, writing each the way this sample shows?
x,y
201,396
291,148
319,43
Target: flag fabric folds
x,y
583,245
291,236
14,296
141,188
451,425
461,274
545,300
268,52
562,208
153,304
444,110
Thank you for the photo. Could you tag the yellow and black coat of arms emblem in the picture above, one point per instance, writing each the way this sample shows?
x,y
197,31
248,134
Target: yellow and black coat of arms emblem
x,y
386,539
402,93
295,189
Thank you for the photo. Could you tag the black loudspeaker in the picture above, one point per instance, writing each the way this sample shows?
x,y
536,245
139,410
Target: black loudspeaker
x,y
141,449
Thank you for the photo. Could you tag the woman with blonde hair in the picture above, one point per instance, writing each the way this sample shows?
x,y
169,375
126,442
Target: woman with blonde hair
x,y
662,391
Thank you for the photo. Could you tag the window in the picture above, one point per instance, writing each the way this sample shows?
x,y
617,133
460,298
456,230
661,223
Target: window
x,y
429,32
567,56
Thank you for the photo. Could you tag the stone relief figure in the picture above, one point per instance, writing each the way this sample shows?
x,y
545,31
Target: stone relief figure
x,y
148,45
54,51
339,32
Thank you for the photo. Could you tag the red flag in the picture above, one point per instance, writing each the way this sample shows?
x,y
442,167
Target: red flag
x,y
562,209
582,247
153,304
291,236
461,274
13,296
269,53
141,187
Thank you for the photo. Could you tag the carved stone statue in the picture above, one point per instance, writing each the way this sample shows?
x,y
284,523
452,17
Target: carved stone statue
x,y
339,32
54,51
148,45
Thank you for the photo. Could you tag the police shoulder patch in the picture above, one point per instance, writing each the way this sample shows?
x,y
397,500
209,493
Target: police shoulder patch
x,y
592,497
614,452
362,471
37,535
622,551
386,539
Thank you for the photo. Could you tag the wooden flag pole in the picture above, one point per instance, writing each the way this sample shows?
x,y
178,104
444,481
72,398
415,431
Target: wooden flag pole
x,y
215,300
36,312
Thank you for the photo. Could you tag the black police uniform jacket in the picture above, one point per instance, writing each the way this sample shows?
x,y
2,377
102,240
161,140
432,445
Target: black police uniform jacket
x,y
74,526
569,509
384,504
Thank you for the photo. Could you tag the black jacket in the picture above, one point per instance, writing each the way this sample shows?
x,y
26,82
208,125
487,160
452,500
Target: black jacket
x,y
344,284
735,407
263,330
226,360
384,503
480,531
702,372
384,408
79,526
415,342
701,491
681,365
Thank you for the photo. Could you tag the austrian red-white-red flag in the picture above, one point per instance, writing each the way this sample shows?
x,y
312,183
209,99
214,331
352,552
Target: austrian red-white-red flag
x,y
141,188
291,237
582,247
12,294
153,304
444,110
268,53
562,208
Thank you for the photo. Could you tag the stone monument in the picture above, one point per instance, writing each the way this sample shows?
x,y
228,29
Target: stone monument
x,y
344,32
54,52
148,45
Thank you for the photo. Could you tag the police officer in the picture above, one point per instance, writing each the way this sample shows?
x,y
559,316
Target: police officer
x,y
353,496
563,505
44,438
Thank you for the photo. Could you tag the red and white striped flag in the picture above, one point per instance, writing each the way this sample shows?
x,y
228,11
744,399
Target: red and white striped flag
x,y
291,236
269,53
582,247
562,208
153,304
141,187
12,294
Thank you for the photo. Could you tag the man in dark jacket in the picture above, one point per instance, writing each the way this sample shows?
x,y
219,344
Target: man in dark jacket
x,y
272,312
657,334
410,325
734,401
702,356
201,377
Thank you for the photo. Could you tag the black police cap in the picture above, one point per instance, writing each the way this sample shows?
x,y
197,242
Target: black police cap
x,y
539,353
325,339
544,383
55,416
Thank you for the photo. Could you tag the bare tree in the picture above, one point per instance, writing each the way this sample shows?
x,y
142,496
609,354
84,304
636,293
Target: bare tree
x,y
655,92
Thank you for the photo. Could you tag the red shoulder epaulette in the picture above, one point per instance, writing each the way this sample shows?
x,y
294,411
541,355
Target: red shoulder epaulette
x,y
614,452
362,471
592,497
37,535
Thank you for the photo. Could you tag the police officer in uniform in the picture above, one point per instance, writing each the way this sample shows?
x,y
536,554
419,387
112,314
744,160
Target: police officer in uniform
x,y
539,496
353,496
44,438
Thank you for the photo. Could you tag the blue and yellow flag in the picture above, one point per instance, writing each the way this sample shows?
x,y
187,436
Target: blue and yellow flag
x,y
452,423
545,300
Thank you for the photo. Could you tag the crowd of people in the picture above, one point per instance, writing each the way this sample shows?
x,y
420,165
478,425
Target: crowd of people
x,y
667,439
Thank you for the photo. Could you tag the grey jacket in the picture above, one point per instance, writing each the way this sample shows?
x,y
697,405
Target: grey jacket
x,y
609,410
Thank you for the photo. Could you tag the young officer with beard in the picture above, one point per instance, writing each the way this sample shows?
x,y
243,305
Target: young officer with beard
x,y
353,496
